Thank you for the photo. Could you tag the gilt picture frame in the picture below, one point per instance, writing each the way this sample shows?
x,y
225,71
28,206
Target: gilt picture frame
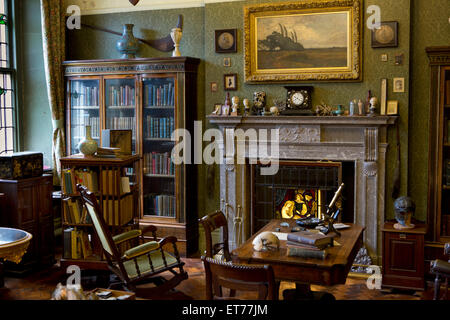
x,y
318,40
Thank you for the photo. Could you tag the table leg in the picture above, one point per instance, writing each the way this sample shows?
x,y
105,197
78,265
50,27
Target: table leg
x,y
303,291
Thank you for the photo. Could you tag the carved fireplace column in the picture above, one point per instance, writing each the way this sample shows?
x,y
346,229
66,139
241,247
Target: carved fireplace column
x,y
234,191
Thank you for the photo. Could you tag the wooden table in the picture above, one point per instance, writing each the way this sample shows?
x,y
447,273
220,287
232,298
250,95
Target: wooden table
x,y
305,271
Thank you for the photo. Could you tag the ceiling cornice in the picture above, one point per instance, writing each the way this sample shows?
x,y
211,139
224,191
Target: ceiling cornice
x,y
90,7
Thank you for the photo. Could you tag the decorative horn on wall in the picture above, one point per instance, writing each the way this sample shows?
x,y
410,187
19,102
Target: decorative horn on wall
x,y
165,44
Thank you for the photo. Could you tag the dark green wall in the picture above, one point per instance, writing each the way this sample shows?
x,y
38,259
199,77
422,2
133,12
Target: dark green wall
x,y
330,93
431,27
421,23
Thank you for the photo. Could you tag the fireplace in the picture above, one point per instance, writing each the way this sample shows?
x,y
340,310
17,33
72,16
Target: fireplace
x,y
299,189
359,144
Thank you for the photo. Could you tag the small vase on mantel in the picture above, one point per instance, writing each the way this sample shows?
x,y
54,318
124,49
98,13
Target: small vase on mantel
x,y
127,45
88,146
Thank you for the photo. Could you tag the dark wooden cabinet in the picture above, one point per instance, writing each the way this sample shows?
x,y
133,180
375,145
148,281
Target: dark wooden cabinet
x,y
403,255
28,206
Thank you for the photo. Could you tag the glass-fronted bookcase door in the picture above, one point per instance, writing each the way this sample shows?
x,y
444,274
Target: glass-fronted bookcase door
x,y
84,100
160,175
120,105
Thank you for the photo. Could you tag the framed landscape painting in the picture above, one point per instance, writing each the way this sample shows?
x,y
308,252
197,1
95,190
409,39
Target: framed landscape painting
x,y
318,40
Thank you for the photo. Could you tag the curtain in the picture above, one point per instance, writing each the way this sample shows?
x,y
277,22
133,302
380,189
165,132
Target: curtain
x,y
53,41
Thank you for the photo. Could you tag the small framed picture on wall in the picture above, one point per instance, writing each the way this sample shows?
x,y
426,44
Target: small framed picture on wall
x,y
386,35
225,40
230,81
213,86
392,107
227,62
399,85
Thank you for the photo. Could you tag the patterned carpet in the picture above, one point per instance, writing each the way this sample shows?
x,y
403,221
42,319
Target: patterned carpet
x,y
40,285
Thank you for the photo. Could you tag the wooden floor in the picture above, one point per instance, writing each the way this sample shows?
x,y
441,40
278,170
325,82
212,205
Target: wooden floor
x,y
40,284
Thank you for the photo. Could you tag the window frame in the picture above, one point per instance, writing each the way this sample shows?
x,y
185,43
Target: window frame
x,y
10,12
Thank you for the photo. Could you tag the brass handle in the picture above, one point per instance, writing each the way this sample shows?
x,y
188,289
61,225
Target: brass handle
x,y
402,236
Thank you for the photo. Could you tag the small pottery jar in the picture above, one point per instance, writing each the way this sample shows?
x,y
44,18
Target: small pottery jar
x,y
127,45
360,107
88,146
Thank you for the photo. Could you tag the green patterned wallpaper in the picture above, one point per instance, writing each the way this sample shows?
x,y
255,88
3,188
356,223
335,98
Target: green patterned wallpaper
x,y
331,93
198,41
430,28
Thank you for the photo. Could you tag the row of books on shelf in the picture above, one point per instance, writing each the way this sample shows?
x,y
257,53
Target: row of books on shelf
x,y
77,244
89,178
158,163
308,244
118,212
121,123
71,177
160,127
74,212
84,95
447,172
447,130
121,96
79,130
160,205
159,95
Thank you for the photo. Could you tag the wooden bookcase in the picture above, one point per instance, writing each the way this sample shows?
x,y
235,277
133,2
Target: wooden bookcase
x,y
439,155
104,176
152,97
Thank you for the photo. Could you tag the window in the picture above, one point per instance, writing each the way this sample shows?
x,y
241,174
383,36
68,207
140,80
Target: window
x,y
7,73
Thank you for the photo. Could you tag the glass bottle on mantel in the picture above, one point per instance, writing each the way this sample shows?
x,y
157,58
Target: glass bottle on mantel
x,y
369,95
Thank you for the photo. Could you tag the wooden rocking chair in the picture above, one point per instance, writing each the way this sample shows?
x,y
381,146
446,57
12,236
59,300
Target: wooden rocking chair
x,y
140,264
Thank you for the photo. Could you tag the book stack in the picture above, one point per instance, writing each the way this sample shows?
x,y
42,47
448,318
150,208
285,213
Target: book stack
x,y
76,244
308,244
108,152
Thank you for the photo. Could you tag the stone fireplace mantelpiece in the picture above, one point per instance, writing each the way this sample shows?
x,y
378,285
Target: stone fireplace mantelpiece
x,y
361,139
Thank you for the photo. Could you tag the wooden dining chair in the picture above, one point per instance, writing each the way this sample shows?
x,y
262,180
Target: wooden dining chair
x,y
239,277
211,222
140,264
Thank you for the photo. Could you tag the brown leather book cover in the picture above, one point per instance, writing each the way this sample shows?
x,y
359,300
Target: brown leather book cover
x,y
308,237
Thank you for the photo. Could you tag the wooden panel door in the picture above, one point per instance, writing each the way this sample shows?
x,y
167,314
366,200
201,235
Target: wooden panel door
x,y
403,260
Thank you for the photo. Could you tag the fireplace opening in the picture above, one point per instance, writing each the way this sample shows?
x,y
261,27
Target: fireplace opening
x,y
300,189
